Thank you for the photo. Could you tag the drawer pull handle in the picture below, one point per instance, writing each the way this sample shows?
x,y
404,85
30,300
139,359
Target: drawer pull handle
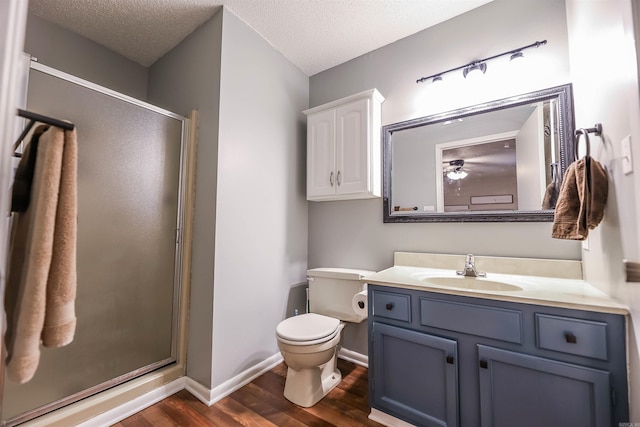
x,y
389,306
571,339
450,359
484,364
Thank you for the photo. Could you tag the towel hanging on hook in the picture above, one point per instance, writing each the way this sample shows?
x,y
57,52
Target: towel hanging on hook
x,y
583,194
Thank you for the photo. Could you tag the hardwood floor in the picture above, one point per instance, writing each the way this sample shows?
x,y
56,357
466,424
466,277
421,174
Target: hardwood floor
x,y
261,404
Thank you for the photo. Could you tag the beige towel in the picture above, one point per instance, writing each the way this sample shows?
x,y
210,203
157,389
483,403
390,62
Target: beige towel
x,y
582,199
60,316
42,280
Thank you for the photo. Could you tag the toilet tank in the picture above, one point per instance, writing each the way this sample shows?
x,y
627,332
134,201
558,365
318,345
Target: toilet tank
x,y
331,292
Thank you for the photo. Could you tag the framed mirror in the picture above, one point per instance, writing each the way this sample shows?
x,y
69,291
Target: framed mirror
x,y
498,161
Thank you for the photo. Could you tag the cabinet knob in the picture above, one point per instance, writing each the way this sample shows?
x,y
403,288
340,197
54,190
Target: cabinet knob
x,y
361,304
331,179
571,339
338,178
389,306
450,359
484,364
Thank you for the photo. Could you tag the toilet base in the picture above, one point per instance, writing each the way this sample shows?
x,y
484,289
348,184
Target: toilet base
x,y
306,387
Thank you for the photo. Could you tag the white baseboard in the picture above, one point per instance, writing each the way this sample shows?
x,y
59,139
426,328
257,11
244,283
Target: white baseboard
x,y
202,393
352,356
136,405
205,395
209,397
387,420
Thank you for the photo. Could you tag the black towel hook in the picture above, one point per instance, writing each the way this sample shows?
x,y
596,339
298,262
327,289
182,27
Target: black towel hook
x,y
33,118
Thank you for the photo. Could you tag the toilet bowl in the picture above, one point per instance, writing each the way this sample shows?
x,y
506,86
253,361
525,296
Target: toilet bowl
x,y
310,342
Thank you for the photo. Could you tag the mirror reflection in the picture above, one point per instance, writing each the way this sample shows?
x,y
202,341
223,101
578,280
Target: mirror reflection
x,y
499,161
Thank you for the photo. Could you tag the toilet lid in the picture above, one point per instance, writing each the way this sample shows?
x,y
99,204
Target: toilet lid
x,y
307,327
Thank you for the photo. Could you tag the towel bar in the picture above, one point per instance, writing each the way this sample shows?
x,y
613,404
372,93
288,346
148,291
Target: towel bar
x,y
33,118
597,129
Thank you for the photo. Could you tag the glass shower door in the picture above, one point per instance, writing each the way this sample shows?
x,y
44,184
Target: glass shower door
x,y
129,180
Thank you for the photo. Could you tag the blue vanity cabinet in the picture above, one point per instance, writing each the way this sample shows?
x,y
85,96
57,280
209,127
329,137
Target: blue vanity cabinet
x,y
427,396
448,360
523,390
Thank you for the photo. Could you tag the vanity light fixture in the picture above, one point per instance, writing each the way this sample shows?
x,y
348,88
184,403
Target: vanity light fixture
x,y
516,55
480,66
474,70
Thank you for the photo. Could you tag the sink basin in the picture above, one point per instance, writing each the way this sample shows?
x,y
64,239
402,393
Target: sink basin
x,y
470,283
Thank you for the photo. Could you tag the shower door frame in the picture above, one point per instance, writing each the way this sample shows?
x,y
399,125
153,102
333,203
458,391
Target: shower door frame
x,y
177,305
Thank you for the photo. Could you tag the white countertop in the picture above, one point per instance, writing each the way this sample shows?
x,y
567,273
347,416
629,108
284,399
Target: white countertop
x,y
573,293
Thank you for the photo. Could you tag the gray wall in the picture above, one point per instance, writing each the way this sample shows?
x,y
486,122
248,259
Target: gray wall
x,y
76,55
606,91
351,233
261,219
188,78
250,235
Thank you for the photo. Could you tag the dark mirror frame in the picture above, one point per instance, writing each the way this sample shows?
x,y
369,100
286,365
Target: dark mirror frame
x,y
566,126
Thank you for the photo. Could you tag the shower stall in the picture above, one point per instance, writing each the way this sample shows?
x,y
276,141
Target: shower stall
x,y
131,174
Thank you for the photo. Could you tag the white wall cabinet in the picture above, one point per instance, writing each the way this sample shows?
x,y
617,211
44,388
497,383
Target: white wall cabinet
x,y
343,148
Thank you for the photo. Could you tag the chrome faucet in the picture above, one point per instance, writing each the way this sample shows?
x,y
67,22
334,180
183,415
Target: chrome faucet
x,y
470,268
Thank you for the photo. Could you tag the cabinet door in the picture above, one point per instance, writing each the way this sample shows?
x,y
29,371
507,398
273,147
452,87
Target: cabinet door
x,y
321,154
415,376
522,390
352,146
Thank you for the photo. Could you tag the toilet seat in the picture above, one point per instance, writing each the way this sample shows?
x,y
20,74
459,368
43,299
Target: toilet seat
x,y
307,329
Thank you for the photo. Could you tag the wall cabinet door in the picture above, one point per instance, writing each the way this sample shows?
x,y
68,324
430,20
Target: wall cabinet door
x,y
415,376
321,156
523,390
352,149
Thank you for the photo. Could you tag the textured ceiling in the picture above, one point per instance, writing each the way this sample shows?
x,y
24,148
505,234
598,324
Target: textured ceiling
x,y
313,34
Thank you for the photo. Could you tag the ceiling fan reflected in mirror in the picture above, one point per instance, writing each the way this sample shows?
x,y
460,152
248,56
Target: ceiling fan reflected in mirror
x,y
480,161
454,171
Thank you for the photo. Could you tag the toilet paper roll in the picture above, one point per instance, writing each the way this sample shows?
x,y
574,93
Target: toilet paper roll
x,y
360,304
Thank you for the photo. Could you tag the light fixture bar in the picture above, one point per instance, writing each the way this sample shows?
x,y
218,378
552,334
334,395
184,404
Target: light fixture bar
x,y
438,76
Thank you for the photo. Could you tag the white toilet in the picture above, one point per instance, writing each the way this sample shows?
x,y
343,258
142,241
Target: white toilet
x,y
310,342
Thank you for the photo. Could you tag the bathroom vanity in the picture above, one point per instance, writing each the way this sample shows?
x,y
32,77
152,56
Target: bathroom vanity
x,y
539,348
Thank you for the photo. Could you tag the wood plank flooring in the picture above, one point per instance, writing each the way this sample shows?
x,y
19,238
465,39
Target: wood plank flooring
x,y
261,404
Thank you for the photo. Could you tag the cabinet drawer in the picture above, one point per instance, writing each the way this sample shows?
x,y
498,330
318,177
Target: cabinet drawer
x,y
391,305
483,321
574,336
